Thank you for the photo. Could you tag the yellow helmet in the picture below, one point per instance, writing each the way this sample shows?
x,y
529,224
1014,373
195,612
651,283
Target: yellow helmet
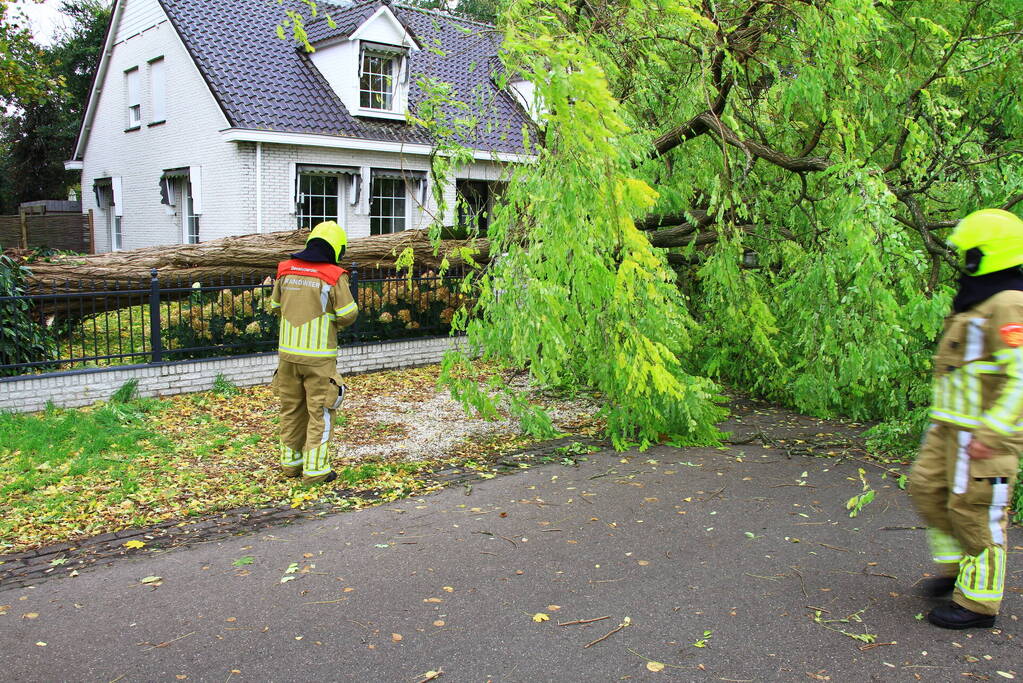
x,y
989,240
333,234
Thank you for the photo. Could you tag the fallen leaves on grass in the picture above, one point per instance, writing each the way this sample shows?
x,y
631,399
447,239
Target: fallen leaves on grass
x,y
210,452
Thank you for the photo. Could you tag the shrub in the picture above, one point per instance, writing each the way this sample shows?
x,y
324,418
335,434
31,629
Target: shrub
x,y
23,339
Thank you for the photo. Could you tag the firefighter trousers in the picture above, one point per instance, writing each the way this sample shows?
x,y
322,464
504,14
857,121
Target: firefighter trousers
x,y
963,501
310,396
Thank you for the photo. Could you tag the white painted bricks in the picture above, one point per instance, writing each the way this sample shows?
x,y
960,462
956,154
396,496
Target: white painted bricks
x,y
30,394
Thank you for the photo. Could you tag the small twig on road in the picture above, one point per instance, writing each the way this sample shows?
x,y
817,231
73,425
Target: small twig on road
x,y
819,609
802,584
118,678
714,494
168,642
582,621
359,623
484,552
769,578
801,486
547,531
887,576
871,646
834,547
325,602
902,528
598,476
610,633
432,676
509,540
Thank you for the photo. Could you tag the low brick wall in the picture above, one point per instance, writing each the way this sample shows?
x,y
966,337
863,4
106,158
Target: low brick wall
x,y
84,387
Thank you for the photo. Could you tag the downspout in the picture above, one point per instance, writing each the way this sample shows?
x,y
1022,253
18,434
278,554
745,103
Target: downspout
x,y
259,187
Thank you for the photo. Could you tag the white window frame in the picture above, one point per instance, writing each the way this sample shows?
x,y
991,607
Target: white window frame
x,y
189,216
133,97
339,178
158,90
404,215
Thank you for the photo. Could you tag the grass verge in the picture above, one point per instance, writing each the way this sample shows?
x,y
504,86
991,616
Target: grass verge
x,y
130,463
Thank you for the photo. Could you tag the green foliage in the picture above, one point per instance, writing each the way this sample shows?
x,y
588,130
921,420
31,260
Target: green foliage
x,y
126,393
222,386
898,438
25,74
23,338
39,132
806,160
98,440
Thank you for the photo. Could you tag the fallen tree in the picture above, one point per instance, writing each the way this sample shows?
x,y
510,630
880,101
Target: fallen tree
x,y
245,256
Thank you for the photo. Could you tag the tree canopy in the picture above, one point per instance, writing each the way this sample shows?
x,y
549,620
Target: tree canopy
x,y
749,193
38,131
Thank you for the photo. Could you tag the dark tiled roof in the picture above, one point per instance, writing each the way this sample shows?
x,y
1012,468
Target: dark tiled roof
x,y
266,83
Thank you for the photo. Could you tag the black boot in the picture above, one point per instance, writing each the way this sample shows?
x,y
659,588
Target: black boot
x,y
957,617
937,587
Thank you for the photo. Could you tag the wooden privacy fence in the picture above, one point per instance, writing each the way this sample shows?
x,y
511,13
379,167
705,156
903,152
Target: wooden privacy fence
x,y
67,232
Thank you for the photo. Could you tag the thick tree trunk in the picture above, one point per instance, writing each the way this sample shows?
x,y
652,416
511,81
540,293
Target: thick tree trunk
x,y
246,256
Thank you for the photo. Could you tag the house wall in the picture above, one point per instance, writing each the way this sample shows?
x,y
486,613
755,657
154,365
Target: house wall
x,y
70,390
189,137
278,192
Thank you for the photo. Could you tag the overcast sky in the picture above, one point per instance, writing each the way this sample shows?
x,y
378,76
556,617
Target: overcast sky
x,y
45,18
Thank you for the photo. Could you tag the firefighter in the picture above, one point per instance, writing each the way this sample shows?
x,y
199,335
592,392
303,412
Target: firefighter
x,y
963,477
313,298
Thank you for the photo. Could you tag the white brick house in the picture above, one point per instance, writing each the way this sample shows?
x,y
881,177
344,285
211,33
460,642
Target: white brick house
x,y
202,123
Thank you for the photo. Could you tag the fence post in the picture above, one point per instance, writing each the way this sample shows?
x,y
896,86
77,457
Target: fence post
x,y
154,317
353,283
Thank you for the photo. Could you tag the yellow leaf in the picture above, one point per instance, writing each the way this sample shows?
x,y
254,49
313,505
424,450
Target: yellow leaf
x,y
396,637
134,544
152,579
655,666
41,644
30,615
439,622
430,675
540,616
554,608
449,589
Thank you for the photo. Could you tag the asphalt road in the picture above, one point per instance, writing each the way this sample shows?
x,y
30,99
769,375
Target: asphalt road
x,y
718,561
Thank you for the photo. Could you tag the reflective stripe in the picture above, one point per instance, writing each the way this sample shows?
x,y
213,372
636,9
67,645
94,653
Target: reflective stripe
x,y
274,304
1006,410
974,339
982,577
326,426
960,420
346,309
996,512
962,464
290,457
315,338
315,461
944,548
324,294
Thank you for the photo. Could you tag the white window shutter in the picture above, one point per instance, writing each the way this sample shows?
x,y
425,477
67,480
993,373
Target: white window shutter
x,y
293,184
116,187
366,190
195,177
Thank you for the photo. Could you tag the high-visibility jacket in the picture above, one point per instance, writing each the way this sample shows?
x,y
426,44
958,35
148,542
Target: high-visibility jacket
x,y
315,302
978,371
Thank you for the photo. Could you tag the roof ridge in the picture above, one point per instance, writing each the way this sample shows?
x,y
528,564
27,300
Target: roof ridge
x,y
433,12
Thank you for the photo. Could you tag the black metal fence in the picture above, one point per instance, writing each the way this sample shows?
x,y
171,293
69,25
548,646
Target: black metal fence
x,y
176,320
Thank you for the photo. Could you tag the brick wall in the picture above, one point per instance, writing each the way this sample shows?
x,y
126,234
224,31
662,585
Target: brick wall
x,y
74,389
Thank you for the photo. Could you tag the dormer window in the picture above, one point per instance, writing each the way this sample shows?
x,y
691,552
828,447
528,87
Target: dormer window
x,y
380,76
368,67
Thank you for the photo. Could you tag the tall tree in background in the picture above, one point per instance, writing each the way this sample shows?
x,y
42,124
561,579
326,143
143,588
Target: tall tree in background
x,y
24,73
39,135
750,192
